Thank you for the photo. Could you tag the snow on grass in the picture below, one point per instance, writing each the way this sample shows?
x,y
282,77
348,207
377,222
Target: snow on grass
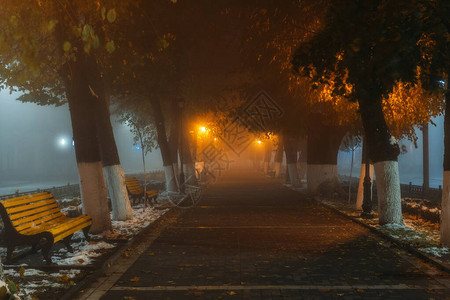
x,y
436,251
142,217
31,281
83,254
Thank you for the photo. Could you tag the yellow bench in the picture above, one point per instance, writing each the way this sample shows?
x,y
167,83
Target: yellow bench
x,y
36,220
136,191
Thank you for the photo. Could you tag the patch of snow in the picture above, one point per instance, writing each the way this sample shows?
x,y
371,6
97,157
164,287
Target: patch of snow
x,y
393,226
83,254
142,217
436,251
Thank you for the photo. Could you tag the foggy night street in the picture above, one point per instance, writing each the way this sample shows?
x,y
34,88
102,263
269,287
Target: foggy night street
x,y
236,149
250,238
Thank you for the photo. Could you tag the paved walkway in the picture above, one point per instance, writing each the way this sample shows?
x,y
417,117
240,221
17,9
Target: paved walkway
x,y
252,238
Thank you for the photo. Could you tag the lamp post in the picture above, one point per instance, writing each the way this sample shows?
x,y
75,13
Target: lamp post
x,y
180,107
367,195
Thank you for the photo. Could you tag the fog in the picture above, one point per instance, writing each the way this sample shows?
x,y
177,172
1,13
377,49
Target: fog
x,y
36,146
37,152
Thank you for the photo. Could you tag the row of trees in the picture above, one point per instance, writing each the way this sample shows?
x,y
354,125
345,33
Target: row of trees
x,y
163,65
387,53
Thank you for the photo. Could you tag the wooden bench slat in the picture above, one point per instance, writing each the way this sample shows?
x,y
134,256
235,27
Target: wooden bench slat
x,y
31,206
36,217
152,193
44,226
64,228
26,196
33,211
72,230
38,222
14,202
56,226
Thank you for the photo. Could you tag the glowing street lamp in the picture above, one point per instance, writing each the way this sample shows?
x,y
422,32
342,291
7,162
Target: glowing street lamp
x,y
259,142
202,129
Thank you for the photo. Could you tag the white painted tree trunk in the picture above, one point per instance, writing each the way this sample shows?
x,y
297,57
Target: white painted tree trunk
x,y
266,167
360,196
388,189
93,196
171,183
320,173
300,172
121,207
176,170
277,169
189,172
293,174
445,212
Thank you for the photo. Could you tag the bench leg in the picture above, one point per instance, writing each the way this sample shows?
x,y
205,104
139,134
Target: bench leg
x,y
67,241
46,243
33,248
86,233
9,252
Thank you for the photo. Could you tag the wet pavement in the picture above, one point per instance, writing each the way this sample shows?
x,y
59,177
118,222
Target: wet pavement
x,y
253,238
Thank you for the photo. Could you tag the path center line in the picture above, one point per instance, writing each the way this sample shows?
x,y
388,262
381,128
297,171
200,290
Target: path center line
x,y
259,227
274,287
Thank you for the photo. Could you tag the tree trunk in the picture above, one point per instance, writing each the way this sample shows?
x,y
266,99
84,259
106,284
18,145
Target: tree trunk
x,y
383,153
267,156
174,139
360,196
82,112
445,213
114,175
171,185
188,163
279,156
303,158
290,148
323,146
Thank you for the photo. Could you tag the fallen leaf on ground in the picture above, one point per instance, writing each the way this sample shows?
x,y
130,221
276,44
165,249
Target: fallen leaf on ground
x,y
22,272
135,279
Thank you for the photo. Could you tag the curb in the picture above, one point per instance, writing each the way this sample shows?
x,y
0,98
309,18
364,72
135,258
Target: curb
x,y
89,279
410,249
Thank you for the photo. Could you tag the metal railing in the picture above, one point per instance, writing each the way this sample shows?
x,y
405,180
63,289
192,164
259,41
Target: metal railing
x,y
65,191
